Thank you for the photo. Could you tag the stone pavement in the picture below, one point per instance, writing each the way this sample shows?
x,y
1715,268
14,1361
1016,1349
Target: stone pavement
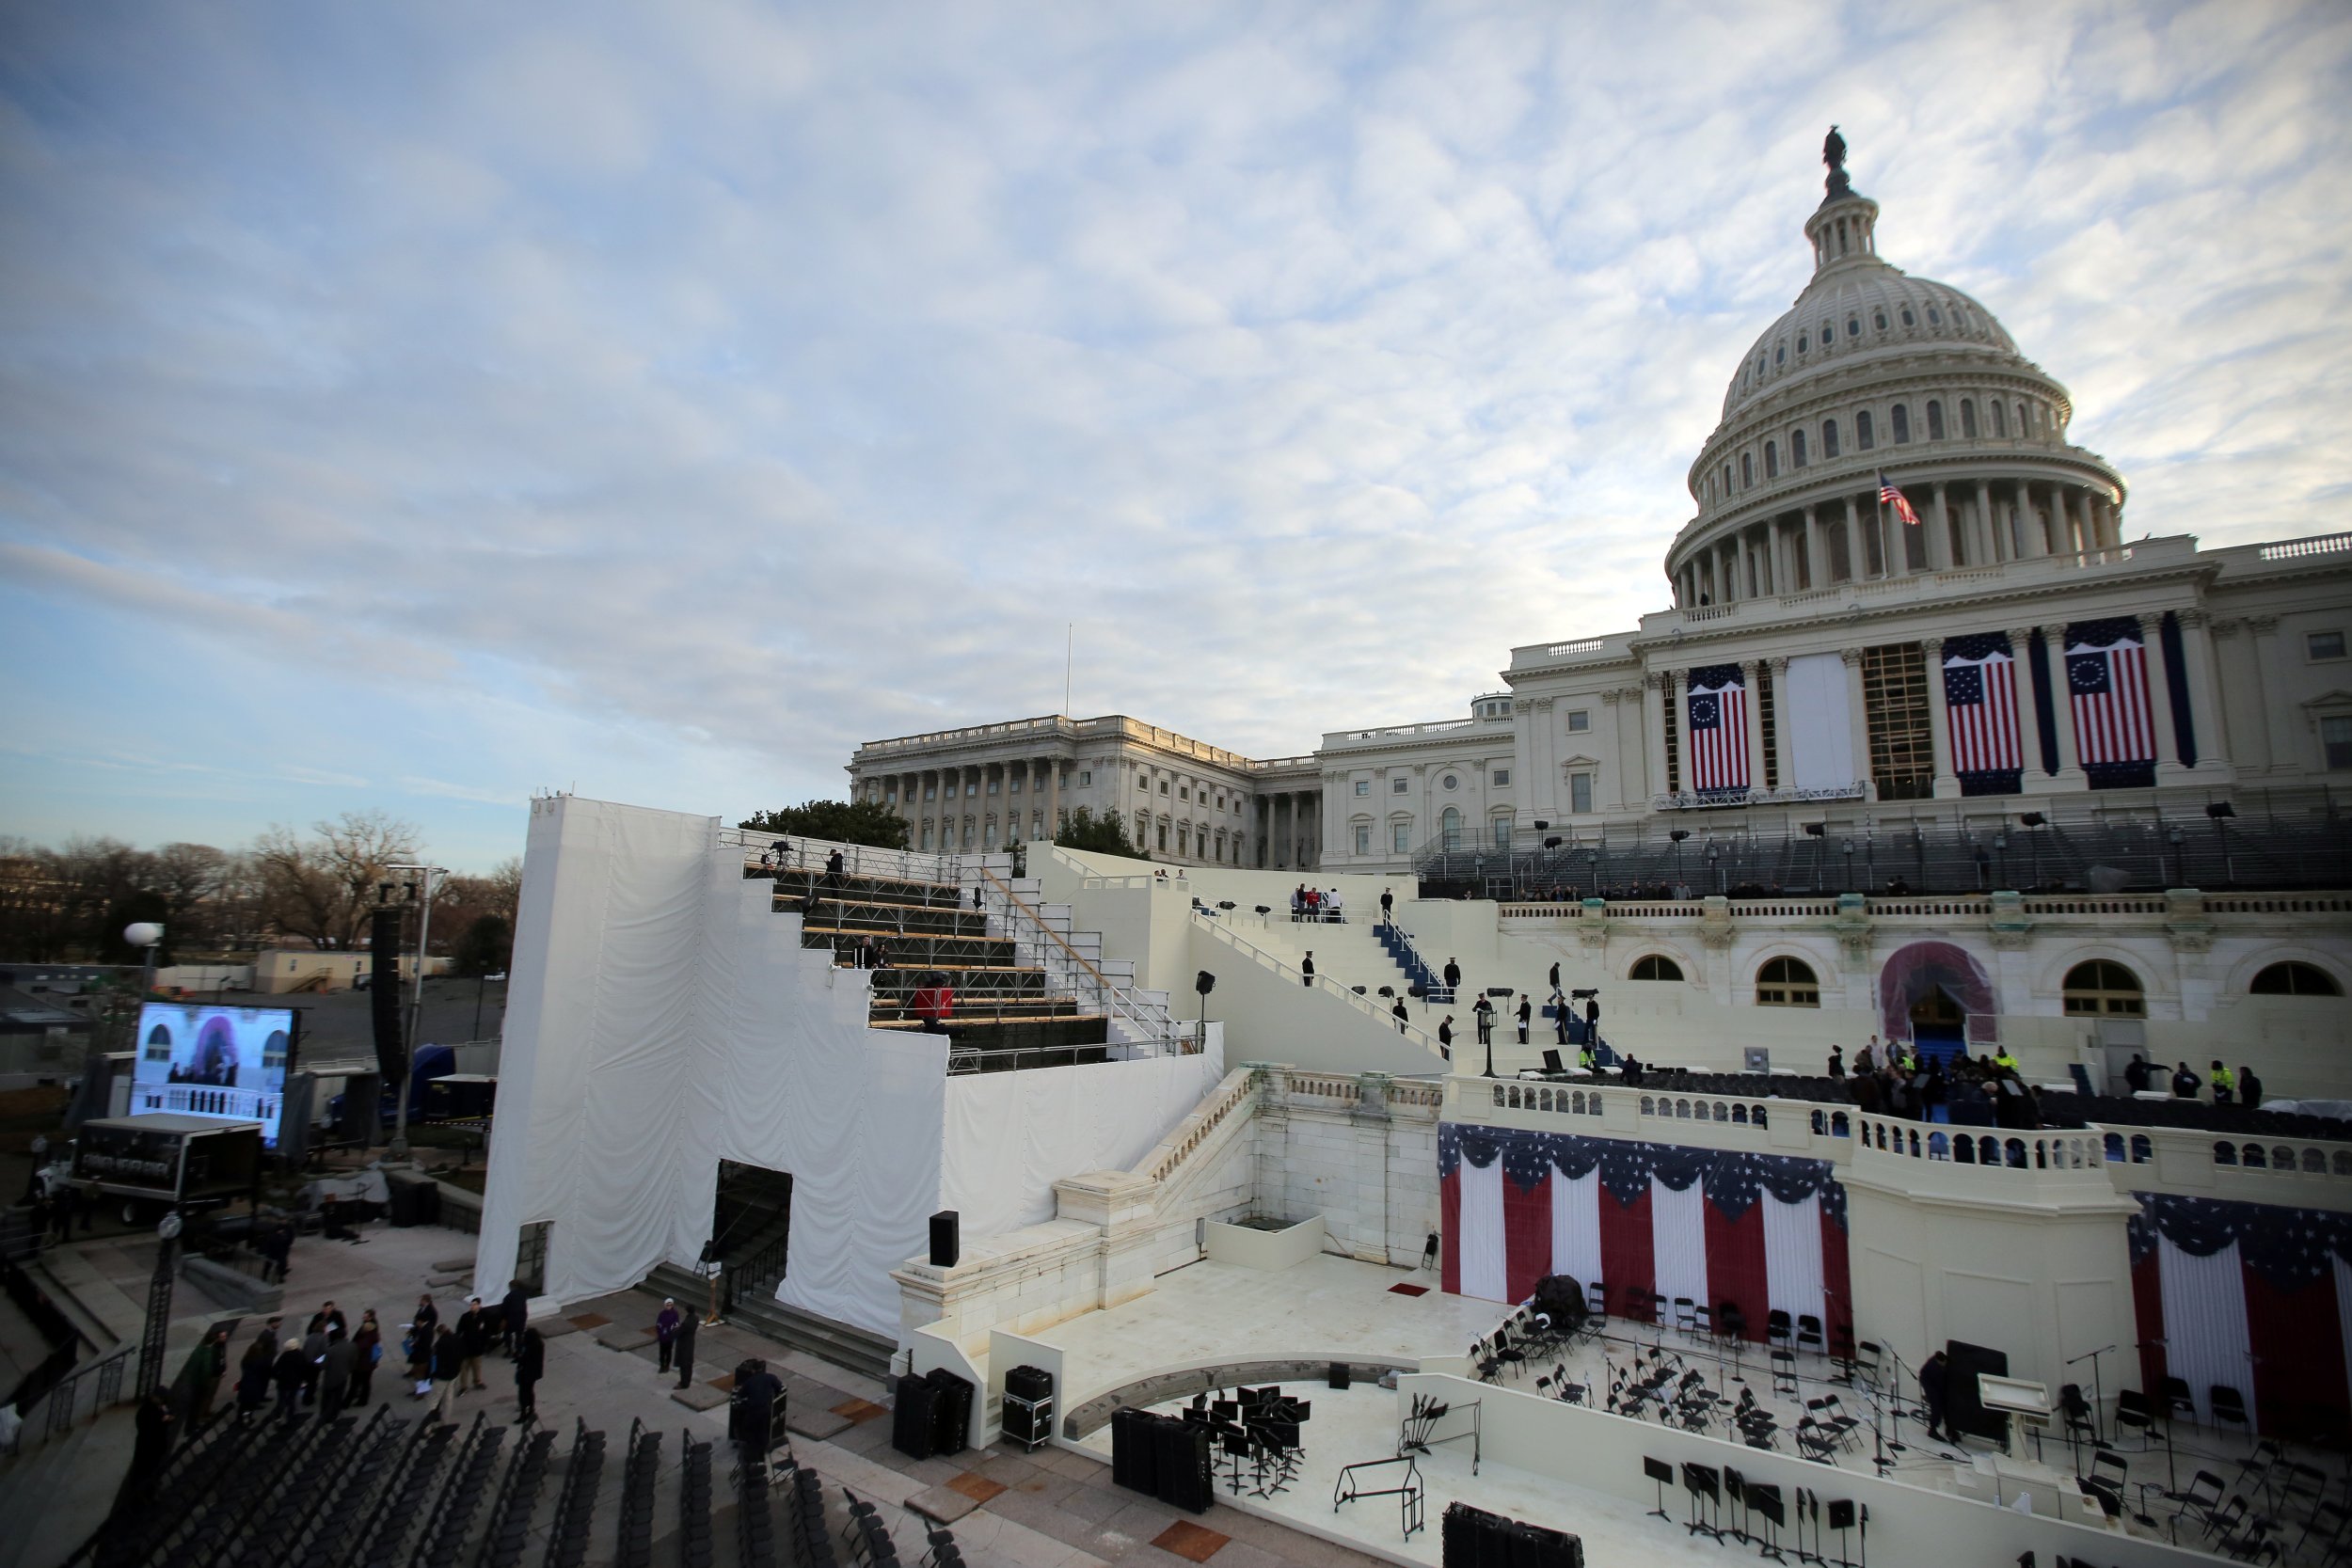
x,y
1054,1508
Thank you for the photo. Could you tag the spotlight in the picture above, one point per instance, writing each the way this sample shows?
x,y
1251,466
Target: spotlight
x,y
1586,992
1205,982
1551,843
1816,830
1679,834
1541,825
2221,809
2033,819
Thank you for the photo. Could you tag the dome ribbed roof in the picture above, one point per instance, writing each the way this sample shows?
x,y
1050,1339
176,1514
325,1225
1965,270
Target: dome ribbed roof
x,y
1866,309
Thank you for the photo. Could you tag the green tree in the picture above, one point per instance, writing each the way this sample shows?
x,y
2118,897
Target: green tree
x,y
1106,834
487,947
838,821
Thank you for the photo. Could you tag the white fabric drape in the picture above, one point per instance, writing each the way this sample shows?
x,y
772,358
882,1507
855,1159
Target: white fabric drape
x,y
1576,1225
1820,736
1012,1135
1792,1256
1677,1225
1484,1273
2344,1316
2204,1324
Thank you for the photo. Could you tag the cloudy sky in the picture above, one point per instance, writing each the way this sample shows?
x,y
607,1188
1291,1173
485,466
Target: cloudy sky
x,y
415,405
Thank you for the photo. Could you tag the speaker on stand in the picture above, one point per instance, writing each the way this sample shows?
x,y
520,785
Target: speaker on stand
x,y
946,1238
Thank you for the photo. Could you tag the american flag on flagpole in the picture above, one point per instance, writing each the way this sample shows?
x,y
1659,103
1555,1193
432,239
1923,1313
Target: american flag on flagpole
x,y
1718,729
1980,704
2106,681
1889,496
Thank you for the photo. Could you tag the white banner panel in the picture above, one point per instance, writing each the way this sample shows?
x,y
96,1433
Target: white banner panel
x,y
1820,736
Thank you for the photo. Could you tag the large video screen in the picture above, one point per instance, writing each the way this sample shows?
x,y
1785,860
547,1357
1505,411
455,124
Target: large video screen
x,y
225,1062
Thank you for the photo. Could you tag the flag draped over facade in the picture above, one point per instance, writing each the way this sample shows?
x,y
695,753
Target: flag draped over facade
x,y
1718,714
2106,684
1980,713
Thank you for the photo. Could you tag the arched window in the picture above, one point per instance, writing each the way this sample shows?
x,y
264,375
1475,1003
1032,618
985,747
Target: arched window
x,y
1780,355
1935,419
1879,320
1969,419
1796,448
158,1044
1909,320
1788,983
2295,978
1450,828
1771,460
1654,966
1747,469
1935,317
1853,326
1828,439
1829,335
1804,342
2025,425
1727,478
1901,420
1865,430
2100,987
2000,418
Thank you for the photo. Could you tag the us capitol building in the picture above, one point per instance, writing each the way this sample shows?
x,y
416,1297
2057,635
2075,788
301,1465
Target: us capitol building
x,y
1904,610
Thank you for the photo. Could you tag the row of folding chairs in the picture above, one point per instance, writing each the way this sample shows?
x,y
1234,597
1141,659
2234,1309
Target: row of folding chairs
x,y
576,1503
508,1530
452,1515
641,1470
695,1543
812,1543
867,1538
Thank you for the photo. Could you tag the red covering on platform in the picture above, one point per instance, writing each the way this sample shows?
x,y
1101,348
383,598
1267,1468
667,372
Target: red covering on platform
x,y
1526,1235
2298,1355
1628,1257
1736,1270
1450,1216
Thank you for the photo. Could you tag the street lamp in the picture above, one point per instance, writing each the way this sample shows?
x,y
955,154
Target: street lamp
x,y
399,1149
147,934
158,1305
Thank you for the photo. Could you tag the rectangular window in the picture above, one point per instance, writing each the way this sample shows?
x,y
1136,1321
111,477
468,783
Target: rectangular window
x,y
1163,835
1086,778
1163,790
1502,832
2323,645
1502,778
1579,792
993,784
930,791
1397,787
1363,838
1579,719
1016,786
927,836
2336,736
951,792
1401,837
1895,703
1364,787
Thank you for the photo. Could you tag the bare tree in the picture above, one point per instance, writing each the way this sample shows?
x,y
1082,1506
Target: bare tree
x,y
188,878
320,889
464,899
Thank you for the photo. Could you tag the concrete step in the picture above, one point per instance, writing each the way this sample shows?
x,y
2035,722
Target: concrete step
x,y
854,1349
101,1313
58,1493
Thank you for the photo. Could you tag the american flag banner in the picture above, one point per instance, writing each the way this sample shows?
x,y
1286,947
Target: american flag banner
x,y
1889,496
1980,710
1718,713
2106,681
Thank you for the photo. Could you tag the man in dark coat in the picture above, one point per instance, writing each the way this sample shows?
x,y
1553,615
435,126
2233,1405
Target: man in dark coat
x,y
473,1338
682,1352
2249,1089
152,1449
335,1372
531,1362
1452,976
291,1372
449,1364
1931,1378
313,1349
517,1306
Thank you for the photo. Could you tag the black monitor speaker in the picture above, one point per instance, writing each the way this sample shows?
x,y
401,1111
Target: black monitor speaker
x,y
946,1238
1963,1364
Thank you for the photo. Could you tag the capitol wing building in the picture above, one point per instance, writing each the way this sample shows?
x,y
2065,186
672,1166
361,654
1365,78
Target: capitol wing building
x,y
1904,616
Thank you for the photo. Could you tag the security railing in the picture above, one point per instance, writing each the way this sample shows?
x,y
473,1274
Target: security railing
x,y
1070,973
1323,983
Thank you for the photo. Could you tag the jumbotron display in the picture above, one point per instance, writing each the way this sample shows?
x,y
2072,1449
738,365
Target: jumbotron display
x,y
224,1062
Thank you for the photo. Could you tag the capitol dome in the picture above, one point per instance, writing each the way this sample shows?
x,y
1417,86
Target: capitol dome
x,y
1872,371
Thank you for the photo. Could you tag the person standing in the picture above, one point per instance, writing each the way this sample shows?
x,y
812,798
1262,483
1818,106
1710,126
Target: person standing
x,y
516,1307
1445,1037
421,1335
683,1351
1837,1061
1307,968
449,1368
2185,1083
313,1351
2135,1075
2249,1089
1483,1013
1387,908
1399,1014
366,1350
1526,1011
336,1369
665,1330
1555,977
2224,1085
473,1338
1931,1394
531,1361
1452,976
292,1373
206,1369
152,1447
253,1374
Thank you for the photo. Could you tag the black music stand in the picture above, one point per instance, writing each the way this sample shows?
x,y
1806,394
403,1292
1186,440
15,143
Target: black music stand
x,y
1843,1517
1705,1484
1765,1501
1663,1474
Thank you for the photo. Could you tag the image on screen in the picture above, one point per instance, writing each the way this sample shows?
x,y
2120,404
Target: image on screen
x,y
224,1062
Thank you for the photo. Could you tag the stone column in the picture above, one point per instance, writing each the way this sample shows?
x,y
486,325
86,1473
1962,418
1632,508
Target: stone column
x,y
2029,711
2036,543
1939,531
1784,756
1996,548
1612,779
1858,716
1052,796
2099,536
1815,549
1754,706
2070,773
1857,562
1939,723
1654,730
2242,712
2168,768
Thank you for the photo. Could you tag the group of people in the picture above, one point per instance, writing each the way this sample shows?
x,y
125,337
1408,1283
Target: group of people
x,y
445,1359
2241,1087
1319,904
1888,1079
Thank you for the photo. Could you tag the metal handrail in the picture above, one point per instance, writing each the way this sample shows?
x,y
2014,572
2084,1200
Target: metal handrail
x,y
1363,1004
59,1405
1117,1000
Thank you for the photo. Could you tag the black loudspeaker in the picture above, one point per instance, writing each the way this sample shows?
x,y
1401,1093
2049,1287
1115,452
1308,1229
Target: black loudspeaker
x,y
915,1417
951,1423
1339,1374
946,1238
1963,1364
384,991
1842,1514
1205,982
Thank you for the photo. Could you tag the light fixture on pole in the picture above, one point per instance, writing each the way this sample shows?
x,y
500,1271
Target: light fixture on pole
x,y
147,934
429,875
158,1326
